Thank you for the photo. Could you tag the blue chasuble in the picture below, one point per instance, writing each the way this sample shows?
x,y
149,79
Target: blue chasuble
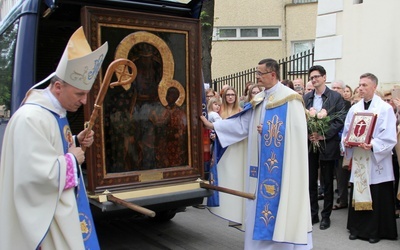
x,y
270,172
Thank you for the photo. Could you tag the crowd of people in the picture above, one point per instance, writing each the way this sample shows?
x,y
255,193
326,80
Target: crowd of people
x,y
366,172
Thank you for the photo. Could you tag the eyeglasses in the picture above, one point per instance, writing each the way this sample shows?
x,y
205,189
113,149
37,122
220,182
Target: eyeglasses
x,y
315,77
263,73
255,92
209,96
387,100
230,95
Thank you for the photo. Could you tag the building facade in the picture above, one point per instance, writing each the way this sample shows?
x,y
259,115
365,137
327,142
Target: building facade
x,y
358,36
247,31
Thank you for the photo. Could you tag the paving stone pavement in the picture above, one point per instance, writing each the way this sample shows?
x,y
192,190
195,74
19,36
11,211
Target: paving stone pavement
x,y
337,236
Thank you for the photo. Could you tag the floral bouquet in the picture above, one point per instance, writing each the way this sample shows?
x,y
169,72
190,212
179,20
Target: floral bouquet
x,y
317,123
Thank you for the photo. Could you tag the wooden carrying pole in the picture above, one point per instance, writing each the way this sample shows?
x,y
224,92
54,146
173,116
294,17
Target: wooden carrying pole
x,y
132,206
228,191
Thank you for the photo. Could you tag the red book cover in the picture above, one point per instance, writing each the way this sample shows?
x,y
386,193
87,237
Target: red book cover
x,y
361,128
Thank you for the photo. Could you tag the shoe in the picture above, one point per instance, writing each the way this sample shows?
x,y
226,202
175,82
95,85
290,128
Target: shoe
x,y
325,223
373,240
320,197
339,206
353,237
315,220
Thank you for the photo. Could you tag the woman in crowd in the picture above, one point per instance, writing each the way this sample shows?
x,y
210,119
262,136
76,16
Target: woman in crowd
x,y
230,103
253,90
210,93
243,98
348,93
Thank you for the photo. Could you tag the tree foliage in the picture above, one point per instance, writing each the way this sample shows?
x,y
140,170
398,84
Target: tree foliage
x,y
207,24
7,45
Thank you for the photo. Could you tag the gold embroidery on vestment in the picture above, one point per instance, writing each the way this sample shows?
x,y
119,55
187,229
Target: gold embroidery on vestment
x,y
362,206
361,183
267,215
84,227
270,189
271,105
273,133
271,162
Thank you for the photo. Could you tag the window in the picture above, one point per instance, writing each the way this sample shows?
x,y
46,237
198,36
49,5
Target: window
x,y
227,33
301,46
300,61
304,1
7,50
247,33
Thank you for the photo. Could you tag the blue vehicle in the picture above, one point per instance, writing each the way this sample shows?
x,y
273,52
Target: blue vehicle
x,y
149,143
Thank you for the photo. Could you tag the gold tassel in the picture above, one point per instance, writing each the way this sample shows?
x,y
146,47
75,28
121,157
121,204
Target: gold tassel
x,y
362,206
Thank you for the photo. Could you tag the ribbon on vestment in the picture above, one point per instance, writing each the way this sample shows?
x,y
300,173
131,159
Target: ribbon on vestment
x,y
270,172
88,229
361,168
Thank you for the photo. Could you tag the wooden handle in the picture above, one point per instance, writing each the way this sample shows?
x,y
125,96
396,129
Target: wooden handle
x,y
228,191
120,66
132,206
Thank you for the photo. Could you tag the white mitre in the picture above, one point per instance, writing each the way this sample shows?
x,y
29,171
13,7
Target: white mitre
x,y
78,65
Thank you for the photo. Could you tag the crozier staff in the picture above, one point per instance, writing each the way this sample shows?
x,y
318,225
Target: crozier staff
x,y
40,180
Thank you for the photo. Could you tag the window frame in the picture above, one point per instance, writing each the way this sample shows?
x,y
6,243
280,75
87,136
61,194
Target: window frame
x,y
239,37
304,1
300,64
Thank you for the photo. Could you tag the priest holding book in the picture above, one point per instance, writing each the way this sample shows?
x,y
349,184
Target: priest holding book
x,y
371,214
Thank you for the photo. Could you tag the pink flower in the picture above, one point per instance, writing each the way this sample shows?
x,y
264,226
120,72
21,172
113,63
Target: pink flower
x,y
317,123
312,112
322,114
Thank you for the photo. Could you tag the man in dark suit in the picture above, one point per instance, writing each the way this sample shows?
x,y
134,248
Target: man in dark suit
x,y
342,170
329,151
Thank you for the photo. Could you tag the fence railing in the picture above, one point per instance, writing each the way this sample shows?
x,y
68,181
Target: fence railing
x,y
292,67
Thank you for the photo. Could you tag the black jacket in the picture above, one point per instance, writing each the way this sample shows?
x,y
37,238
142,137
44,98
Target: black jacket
x,y
335,106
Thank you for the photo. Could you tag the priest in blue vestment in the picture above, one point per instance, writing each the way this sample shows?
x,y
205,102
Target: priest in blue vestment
x,y
267,156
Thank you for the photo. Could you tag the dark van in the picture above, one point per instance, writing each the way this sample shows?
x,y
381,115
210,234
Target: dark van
x,y
148,148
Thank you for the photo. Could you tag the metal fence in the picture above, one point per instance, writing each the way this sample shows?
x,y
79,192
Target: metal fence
x,y
291,68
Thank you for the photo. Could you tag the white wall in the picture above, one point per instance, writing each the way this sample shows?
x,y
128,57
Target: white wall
x,y
366,39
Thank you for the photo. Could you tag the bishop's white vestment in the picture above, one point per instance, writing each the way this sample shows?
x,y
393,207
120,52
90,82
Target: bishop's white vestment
x,y
34,207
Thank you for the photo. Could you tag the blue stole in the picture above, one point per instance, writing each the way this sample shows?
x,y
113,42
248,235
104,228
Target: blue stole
x,y
270,172
218,151
85,215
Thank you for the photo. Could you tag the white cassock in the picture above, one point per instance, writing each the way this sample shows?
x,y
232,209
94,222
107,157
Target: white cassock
x,y
293,221
384,139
